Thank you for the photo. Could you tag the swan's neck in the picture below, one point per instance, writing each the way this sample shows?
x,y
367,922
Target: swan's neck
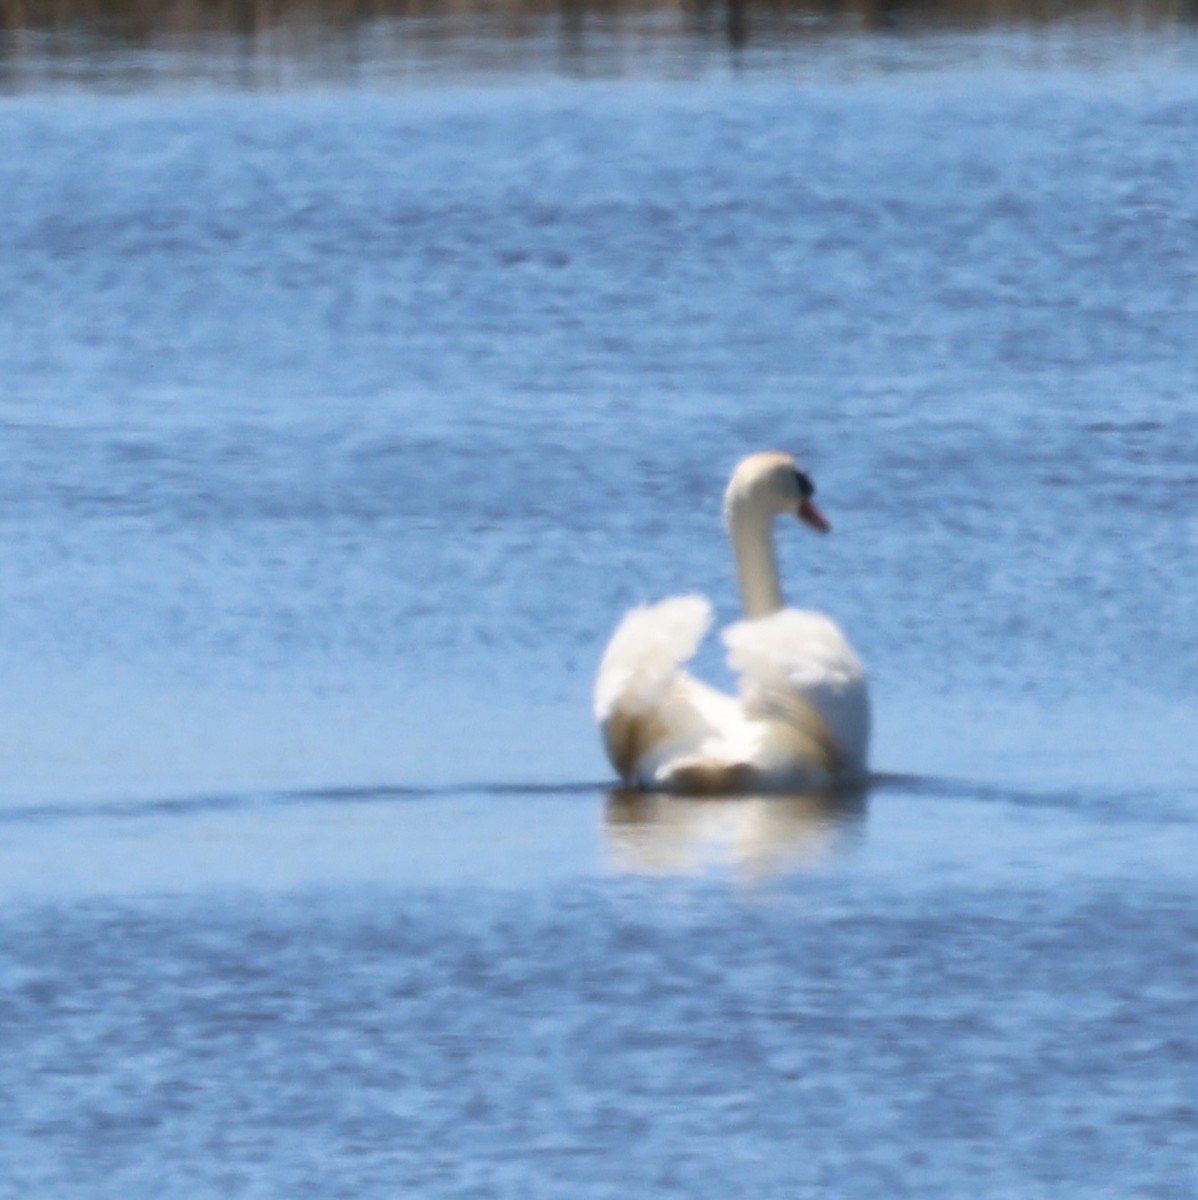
x,y
752,533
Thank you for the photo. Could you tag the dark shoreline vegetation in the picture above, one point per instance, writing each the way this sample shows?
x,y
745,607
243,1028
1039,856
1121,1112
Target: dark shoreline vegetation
x,y
131,45
133,21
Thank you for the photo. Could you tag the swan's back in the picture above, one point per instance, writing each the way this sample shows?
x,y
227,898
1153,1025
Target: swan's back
x,y
797,667
801,718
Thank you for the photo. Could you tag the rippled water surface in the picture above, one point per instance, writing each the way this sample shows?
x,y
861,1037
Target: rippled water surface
x,y
340,424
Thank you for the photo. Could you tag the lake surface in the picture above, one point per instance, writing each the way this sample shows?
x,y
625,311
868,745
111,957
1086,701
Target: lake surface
x,y
341,421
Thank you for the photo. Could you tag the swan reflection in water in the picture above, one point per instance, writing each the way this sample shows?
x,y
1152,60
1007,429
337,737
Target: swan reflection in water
x,y
756,836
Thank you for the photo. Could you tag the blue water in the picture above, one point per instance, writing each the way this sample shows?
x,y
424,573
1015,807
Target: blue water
x,y
340,424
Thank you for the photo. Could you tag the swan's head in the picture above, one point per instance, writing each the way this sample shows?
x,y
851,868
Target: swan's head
x,y
770,484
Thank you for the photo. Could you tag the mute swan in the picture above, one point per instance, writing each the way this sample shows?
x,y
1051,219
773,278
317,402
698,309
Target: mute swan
x,y
801,718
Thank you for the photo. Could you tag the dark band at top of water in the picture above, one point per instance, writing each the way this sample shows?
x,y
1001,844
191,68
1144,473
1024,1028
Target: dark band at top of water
x,y
249,15
286,43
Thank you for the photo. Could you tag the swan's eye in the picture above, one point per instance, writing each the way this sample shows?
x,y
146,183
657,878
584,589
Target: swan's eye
x,y
806,487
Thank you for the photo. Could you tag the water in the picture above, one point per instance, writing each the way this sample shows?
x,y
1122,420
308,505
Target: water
x,y
341,423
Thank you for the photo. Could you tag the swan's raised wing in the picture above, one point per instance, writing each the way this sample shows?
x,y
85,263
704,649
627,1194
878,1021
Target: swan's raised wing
x,y
649,708
799,674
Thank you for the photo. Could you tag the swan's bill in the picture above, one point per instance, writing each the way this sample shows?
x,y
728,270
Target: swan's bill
x,y
811,515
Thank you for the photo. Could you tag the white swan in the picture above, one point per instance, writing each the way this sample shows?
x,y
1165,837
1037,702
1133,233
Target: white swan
x,y
801,718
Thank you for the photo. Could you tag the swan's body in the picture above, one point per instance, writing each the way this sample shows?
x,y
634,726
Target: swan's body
x,y
801,718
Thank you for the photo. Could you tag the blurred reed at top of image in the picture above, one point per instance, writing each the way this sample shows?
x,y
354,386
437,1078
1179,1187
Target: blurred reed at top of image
x,y
129,45
140,19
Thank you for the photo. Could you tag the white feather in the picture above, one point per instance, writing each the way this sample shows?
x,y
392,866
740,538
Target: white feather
x,y
642,659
